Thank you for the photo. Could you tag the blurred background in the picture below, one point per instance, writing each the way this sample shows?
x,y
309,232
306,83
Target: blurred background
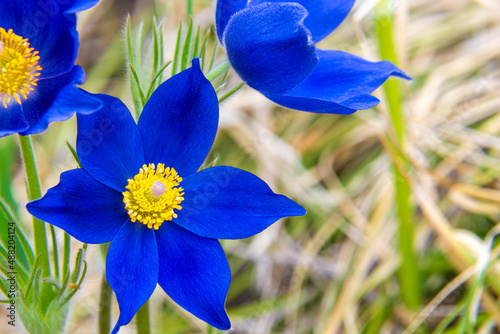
x,y
403,199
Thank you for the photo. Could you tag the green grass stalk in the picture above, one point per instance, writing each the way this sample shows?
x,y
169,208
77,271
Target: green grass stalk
x,y
409,273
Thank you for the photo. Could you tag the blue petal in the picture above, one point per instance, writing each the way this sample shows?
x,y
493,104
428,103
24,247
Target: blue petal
x,y
49,29
12,119
83,207
132,269
269,46
324,15
109,144
194,272
80,5
226,9
179,122
229,203
340,84
56,100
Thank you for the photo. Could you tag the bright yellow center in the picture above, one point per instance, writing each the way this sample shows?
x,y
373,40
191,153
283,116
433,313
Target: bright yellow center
x,y
153,195
19,67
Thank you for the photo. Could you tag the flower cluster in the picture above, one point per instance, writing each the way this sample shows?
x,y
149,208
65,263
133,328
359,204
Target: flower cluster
x,y
141,186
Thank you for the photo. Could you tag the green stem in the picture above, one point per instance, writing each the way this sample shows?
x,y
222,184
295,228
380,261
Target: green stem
x,y
142,317
217,71
105,306
105,299
34,192
409,272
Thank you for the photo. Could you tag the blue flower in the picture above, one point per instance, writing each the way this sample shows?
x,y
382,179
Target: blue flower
x,y
140,188
38,76
271,45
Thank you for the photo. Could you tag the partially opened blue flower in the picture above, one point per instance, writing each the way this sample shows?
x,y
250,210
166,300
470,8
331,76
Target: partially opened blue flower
x,y
38,76
140,188
271,45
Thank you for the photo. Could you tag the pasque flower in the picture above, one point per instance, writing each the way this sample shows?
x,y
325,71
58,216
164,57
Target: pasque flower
x,y
271,45
140,188
38,76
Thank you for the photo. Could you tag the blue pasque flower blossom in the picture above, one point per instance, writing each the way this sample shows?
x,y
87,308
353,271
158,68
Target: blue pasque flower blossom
x,y
38,76
139,188
271,45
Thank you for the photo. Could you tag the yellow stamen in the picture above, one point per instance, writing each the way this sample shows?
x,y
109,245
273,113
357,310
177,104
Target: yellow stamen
x,y
19,69
153,195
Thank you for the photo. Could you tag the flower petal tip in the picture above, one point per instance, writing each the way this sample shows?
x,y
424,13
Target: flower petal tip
x,y
221,322
295,209
401,74
196,63
116,329
395,71
226,325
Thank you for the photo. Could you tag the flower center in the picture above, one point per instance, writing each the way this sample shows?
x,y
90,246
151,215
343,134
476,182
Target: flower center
x,y
153,195
19,67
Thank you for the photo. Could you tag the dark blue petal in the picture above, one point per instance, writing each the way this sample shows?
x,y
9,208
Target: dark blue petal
x,y
324,15
83,207
109,144
340,84
132,269
12,119
50,30
229,203
226,9
179,122
194,272
269,46
56,100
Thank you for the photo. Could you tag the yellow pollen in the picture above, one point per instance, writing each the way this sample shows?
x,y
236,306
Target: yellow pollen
x,y
19,69
153,195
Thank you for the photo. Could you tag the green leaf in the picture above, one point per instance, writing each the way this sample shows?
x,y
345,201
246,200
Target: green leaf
x,y
203,48
177,53
155,79
75,289
156,47
196,45
34,270
55,251
189,8
63,286
137,82
78,264
231,92
132,59
20,270
67,249
220,69
212,58
25,257
186,52
74,154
